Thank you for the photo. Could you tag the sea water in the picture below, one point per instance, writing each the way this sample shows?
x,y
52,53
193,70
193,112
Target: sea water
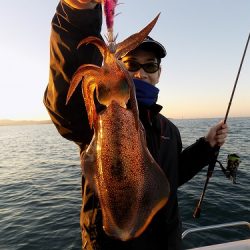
x,y
40,188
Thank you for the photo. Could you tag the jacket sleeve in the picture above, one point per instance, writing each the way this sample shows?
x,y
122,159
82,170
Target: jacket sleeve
x,y
193,159
69,27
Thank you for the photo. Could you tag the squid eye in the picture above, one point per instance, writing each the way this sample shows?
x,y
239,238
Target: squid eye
x,y
124,87
103,93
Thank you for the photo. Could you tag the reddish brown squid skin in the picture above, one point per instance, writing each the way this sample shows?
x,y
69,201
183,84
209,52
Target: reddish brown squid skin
x,y
130,185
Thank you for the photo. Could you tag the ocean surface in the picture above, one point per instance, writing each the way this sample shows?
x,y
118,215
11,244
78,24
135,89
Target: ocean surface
x,y
40,188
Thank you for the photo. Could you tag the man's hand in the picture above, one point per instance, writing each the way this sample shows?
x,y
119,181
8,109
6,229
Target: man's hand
x,y
216,135
82,4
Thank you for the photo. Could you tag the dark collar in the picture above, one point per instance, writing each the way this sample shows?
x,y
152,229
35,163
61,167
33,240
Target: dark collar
x,y
148,114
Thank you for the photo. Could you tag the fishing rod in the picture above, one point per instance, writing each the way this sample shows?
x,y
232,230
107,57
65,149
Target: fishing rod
x,y
213,161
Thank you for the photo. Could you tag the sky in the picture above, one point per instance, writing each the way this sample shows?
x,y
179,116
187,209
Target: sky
x,y
205,40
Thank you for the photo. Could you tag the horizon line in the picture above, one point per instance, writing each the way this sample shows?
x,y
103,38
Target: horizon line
x,y
175,118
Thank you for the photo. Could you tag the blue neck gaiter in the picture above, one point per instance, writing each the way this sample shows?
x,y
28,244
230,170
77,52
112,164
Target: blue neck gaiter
x,y
146,93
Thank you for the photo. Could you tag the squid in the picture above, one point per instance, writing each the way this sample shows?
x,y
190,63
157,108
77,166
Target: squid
x,y
130,185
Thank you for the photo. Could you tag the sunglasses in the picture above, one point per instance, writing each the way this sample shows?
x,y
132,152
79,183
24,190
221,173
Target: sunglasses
x,y
134,66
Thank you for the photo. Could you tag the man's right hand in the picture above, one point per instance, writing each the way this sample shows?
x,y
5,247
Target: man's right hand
x,y
82,4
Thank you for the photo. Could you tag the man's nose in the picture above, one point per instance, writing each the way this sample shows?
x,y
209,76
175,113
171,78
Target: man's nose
x,y
140,74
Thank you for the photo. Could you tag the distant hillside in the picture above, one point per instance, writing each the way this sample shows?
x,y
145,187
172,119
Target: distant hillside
x,y
22,122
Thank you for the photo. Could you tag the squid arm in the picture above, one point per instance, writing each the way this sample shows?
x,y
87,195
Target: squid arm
x,y
97,42
88,74
134,40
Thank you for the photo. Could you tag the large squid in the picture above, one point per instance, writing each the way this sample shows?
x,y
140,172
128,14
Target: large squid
x,y
130,185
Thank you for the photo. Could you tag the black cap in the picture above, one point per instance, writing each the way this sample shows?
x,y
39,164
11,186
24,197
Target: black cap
x,y
149,44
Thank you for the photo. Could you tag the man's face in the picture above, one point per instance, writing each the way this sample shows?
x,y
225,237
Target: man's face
x,y
143,57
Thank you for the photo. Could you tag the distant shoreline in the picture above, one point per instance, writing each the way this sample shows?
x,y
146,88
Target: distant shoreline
x,y
9,122
23,122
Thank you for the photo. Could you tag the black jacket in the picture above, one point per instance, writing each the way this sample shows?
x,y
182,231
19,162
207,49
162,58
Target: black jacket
x,y
163,138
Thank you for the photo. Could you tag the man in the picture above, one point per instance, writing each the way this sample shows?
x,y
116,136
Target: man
x,y
73,21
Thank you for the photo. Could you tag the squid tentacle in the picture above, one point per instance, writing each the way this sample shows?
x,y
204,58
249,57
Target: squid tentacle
x,y
77,77
88,88
97,42
134,40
